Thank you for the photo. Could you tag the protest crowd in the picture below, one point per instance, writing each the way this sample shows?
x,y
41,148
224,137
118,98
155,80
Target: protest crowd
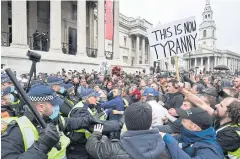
x,y
121,116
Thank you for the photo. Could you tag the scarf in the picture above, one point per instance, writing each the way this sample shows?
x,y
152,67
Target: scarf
x,y
205,136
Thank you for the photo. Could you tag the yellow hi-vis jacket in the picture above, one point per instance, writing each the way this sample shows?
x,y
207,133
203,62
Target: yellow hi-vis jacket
x,y
30,135
86,132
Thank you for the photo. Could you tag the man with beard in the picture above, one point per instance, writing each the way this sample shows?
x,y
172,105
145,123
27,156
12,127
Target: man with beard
x,y
227,121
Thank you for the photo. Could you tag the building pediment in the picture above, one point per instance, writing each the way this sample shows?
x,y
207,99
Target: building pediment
x,y
138,31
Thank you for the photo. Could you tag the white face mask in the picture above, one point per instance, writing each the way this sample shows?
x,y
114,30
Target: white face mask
x,y
11,98
55,112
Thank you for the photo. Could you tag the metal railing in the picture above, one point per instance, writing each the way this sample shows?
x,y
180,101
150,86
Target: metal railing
x,y
109,55
92,52
6,39
69,49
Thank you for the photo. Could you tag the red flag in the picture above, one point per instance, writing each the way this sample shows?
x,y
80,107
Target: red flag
x,y
109,20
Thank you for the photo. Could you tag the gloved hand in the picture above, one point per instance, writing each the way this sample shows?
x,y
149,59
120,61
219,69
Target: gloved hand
x,y
48,138
98,128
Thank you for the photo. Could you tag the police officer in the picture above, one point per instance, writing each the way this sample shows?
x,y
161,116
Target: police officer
x,y
87,107
61,89
7,109
24,137
7,102
16,101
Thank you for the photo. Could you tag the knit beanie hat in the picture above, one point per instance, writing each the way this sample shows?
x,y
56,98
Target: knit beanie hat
x,y
138,116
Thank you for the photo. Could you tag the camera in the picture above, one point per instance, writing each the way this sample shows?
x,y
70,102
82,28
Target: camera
x,y
33,56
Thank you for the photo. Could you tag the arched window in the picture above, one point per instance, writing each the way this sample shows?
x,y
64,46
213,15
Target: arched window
x,y
204,33
213,32
208,15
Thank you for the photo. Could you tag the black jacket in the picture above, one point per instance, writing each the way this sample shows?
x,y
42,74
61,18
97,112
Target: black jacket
x,y
12,140
174,100
78,140
133,144
75,88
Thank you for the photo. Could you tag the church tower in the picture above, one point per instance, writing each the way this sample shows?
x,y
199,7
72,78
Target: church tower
x,y
207,29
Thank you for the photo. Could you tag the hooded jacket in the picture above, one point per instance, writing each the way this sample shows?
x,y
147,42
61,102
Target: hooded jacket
x,y
143,144
200,149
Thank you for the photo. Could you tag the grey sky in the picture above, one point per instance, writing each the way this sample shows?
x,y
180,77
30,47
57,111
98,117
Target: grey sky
x,y
226,14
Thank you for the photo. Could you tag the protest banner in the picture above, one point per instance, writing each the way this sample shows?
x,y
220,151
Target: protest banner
x,y
174,39
104,68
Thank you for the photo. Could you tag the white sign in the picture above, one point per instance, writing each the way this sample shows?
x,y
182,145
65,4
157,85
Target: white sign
x,y
104,68
173,39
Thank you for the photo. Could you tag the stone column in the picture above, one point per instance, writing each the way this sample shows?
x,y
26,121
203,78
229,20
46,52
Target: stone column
x,y
19,24
101,29
143,50
225,61
4,16
32,18
201,61
81,28
195,62
137,50
116,52
233,64
130,50
238,65
55,26
208,63
215,61
149,54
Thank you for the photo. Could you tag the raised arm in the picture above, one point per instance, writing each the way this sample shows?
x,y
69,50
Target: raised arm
x,y
197,101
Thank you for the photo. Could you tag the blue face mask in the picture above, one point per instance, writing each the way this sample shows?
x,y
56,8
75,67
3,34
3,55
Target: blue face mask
x,y
12,88
56,110
11,98
62,90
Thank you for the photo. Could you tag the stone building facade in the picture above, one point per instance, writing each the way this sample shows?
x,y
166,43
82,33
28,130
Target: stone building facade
x,y
76,31
208,56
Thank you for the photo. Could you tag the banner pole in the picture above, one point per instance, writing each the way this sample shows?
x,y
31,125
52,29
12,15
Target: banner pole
x,y
176,67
